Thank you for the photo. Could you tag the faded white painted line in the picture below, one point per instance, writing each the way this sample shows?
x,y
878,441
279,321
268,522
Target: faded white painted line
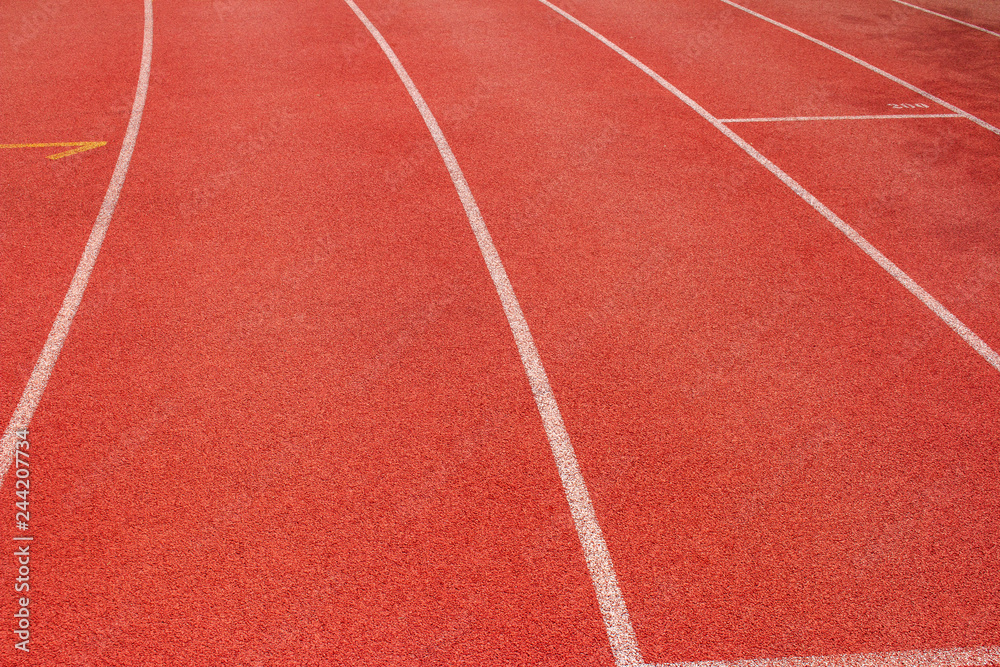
x,y
950,657
859,61
950,18
798,118
602,573
60,328
946,316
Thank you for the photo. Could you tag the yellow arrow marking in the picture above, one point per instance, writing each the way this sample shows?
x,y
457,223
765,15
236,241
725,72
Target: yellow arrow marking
x,y
80,147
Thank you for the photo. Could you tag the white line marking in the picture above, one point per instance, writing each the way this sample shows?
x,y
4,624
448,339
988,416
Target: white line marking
x,y
957,326
859,61
796,118
952,657
950,18
609,596
60,328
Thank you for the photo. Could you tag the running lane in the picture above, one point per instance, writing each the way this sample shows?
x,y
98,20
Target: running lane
x,y
68,74
920,189
954,62
789,454
290,425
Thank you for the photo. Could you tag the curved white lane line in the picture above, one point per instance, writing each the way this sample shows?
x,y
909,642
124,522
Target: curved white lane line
x,y
949,657
609,596
957,326
60,328
950,18
859,61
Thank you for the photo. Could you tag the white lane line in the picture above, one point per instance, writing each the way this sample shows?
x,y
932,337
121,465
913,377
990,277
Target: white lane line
x,y
967,334
797,118
602,573
859,61
60,328
950,18
952,657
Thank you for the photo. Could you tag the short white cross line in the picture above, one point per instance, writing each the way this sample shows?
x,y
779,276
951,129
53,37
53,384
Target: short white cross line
x,y
949,657
874,117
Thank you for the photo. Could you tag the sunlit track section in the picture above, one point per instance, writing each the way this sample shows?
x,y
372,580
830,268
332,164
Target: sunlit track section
x,y
950,18
974,341
609,597
801,118
867,65
953,657
60,328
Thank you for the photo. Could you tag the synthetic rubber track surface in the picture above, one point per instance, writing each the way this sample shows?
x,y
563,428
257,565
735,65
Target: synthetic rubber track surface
x,y
290,424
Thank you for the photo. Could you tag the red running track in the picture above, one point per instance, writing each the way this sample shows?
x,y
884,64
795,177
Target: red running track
x,y
290,424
